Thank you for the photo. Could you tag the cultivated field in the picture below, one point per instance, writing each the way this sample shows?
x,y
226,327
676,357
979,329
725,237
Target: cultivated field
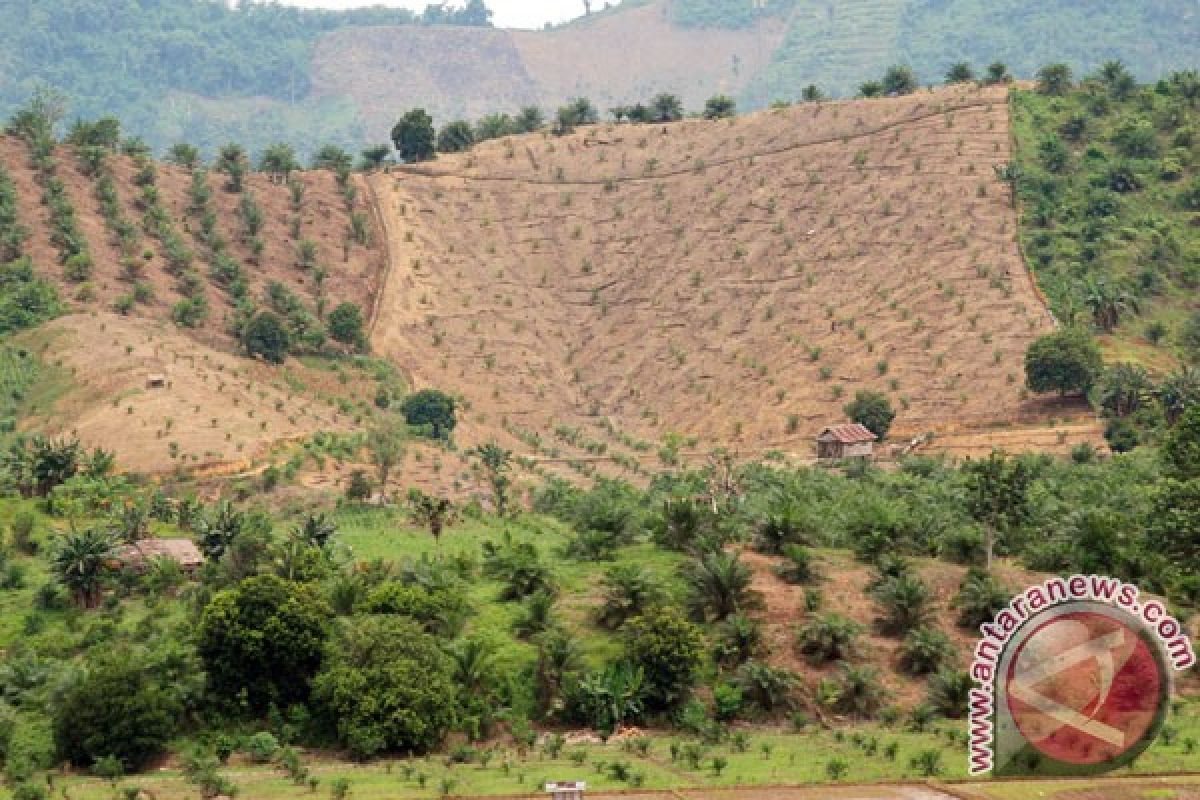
x,y
733,282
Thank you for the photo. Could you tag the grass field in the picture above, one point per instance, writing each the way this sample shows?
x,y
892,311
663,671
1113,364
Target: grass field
x,y
754,759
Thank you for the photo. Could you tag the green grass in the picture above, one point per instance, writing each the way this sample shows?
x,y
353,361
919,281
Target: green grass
x,y
385,534
793,758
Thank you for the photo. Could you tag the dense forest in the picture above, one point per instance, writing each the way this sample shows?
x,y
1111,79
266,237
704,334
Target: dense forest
x,y
145,60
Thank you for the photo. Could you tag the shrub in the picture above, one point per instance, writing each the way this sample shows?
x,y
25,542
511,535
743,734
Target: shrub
x,y
669,650
829,637
1065,361
799,566
925,650
346,325
385,685
119,709
430,409
903,603
979,599
949,692
262,747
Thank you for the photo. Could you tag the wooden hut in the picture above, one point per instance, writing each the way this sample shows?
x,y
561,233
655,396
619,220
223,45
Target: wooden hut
x,y
845,441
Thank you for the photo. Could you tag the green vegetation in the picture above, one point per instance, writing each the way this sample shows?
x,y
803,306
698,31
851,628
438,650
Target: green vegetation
x,y
127,60
1103,171
837,46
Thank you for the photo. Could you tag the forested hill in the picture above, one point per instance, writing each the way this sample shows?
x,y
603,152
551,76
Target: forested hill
x,y
160,64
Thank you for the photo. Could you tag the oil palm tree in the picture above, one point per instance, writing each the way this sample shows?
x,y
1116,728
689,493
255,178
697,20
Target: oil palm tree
x,y
720,586
82,563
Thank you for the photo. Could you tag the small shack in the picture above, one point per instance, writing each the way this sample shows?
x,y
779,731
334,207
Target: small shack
x,y
183,552
156,380
845,441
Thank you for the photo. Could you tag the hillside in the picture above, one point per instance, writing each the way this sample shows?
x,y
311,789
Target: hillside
x,y
201,71
732,283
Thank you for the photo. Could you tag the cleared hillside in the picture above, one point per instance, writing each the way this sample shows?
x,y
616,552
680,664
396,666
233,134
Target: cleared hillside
x,y
733,282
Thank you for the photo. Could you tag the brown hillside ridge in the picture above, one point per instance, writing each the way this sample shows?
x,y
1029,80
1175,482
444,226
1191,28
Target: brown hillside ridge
x,y
456,72
733,281
324,218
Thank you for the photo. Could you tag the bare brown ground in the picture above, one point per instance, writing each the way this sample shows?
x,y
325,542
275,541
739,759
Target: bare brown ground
x,y
220,413
843,588
735,281
469,72
325,219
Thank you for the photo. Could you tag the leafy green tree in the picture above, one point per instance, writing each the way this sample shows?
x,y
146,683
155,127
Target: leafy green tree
x,y
494,126
346,325
1124,389
812,94
261,641
119,708
433,409
315,529
719,584
765,687
720,106
430,511
529,119
414,136
1178,392
900,79
924,650
1065,361
578,111
1055,79
666,107
605,699
872,410
455,137
1189,197
1054,154
997,496
870,89
386,686
1107,302
949,692
81,564
495,461
960,72
997,72
1181,449
1136,138
1117,78
267,336
184,155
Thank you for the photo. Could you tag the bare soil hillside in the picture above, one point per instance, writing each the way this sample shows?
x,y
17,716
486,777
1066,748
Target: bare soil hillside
x,y
470,72
734,282
322,217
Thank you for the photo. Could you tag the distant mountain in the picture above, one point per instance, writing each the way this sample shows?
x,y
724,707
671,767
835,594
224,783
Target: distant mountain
x,y
197,70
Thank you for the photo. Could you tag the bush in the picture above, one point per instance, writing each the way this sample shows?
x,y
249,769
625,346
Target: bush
x,y
949,692
799,566
903,603
385,686
1065,361
346,325
118,709
829,637
262,747
441,611
925,650
669,650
